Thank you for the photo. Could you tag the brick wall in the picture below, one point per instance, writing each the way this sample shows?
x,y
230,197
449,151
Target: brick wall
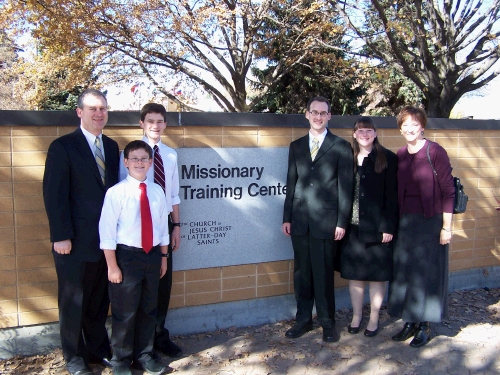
x,y
28,290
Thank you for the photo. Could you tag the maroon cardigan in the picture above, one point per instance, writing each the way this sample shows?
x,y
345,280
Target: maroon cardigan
x,y
437,192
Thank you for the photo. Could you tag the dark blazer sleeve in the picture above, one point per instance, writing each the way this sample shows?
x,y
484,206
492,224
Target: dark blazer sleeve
x,y
291,181
56,192
345,184
390,210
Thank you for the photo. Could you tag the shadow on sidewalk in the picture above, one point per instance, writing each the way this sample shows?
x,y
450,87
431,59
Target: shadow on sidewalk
x,y
465,344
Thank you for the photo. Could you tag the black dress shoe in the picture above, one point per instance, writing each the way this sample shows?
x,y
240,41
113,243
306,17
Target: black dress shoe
x,y
81,372
353,330
122,370
369,333
408,331
152,366
330,335
298,330
167,347
106,362
423,335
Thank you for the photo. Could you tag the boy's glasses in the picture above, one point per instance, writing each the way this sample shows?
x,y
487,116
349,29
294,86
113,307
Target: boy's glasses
x,y
137,160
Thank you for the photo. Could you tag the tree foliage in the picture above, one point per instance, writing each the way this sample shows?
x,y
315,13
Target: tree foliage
x,y
323,71
447,48
8,76
206,45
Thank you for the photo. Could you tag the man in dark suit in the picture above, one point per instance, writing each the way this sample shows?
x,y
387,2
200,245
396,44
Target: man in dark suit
x,y
316,214
80,167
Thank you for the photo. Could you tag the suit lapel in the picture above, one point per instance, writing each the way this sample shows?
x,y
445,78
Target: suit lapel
x,y
111,161
327,144
87,155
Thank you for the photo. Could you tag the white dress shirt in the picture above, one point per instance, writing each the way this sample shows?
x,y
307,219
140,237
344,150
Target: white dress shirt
x,y
171,170
320,139
91,141
120,221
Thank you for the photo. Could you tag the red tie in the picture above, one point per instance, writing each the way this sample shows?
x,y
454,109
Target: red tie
x,y
146,222
159,171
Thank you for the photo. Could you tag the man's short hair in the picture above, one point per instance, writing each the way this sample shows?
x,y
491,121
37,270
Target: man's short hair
x,y
153,108
92,92
137,145
320,99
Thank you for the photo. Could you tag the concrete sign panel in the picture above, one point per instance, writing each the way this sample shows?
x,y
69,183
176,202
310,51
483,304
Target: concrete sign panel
x,y
231,207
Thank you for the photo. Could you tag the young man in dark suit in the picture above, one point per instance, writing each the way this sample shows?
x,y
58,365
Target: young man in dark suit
x,y
316,214
80,167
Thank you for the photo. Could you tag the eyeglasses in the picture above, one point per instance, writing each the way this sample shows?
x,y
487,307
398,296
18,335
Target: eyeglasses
x,y
136,160
316,113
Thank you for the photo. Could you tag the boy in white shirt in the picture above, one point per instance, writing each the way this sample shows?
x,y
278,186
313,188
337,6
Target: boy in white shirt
x,y
134,236
164,172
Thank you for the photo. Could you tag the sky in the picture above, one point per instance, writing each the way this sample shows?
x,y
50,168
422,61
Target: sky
x,y
486,106
483,105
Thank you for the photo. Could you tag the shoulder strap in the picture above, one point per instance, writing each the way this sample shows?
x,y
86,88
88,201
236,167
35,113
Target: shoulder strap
x,y
429,157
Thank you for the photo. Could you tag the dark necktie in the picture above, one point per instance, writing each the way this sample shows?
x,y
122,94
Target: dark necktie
x,y
159,171
146,221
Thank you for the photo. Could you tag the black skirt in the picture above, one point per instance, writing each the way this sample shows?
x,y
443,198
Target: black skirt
x,y
419,289
365,261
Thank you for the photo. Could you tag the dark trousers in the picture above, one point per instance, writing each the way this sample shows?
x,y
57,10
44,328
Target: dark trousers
x,y
83,308
165,288
313,279
133,304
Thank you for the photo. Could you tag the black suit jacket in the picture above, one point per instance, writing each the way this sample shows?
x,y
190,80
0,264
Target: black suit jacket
x,y
319,193
73,192
378,198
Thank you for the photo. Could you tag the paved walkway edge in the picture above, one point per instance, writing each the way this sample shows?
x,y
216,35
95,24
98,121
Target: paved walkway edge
x,y
44,338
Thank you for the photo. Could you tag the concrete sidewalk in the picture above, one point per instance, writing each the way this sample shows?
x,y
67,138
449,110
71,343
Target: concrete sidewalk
x,y
468,343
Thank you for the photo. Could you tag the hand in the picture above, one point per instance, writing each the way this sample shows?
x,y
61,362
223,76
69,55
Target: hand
x,y
286,229
62,247
386,237
444,237
339,233
115,275
164,267
175,238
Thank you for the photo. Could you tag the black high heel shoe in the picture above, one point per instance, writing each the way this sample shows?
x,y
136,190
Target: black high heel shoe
x,y
369,333
408,331
354,330
373,333
422,336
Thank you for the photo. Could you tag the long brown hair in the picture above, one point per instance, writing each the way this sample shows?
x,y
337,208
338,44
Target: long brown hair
x,y
381,160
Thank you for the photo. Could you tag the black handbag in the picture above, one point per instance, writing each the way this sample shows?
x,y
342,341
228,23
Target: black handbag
x,y
461,198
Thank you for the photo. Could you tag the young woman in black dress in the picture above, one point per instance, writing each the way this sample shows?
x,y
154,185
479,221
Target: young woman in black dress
x,y
367,250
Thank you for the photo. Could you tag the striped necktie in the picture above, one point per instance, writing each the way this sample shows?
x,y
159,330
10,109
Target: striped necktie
x,y
158,168
100,159
315,148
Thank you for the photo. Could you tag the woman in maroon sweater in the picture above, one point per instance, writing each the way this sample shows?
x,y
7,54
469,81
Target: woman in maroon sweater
x,y
419,290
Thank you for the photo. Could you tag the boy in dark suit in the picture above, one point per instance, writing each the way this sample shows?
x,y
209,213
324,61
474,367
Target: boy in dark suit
x,y
134,237
316,214
80,167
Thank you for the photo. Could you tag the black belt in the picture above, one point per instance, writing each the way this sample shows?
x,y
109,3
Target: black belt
x,y
133,248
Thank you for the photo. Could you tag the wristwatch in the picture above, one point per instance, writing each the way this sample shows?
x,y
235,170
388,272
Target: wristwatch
x,y
165,255
176,224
